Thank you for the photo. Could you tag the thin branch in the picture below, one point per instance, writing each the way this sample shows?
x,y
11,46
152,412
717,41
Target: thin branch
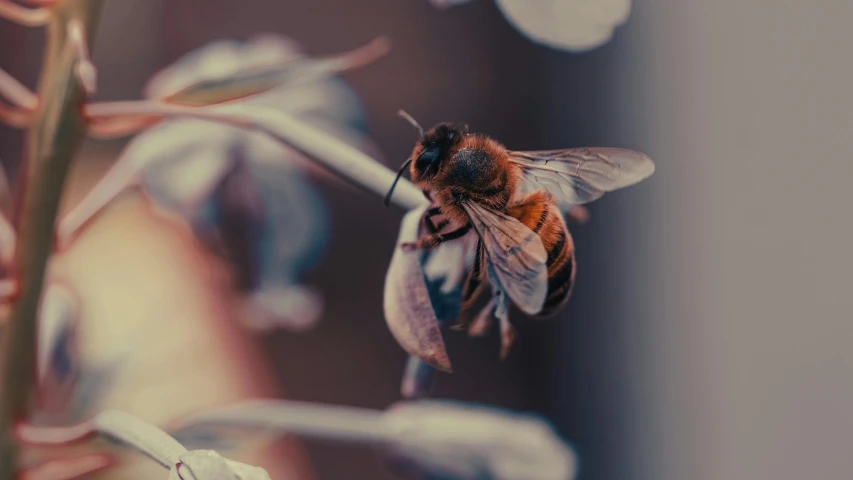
x,y
263,78
118,178
121,127
8,289
52,143
16,117
30,17
68,468
40,3
16,92
8,241
345,160
348,162
87,75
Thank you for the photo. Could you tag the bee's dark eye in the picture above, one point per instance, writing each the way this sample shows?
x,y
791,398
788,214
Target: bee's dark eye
x,y
428,157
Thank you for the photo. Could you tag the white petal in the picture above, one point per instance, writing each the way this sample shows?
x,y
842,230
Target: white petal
x,y
574,25
480,442
408,309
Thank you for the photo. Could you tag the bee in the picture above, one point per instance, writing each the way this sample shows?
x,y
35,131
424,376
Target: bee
x,y
515,202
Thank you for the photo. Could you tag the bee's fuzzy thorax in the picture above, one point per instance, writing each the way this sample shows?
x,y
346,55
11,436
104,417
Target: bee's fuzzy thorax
x,y
449,165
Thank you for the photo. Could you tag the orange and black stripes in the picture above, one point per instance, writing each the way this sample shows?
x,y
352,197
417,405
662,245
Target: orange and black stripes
x,y
561,274
538,212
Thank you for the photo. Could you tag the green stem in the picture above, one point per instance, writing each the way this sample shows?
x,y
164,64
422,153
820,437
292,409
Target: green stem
x,y
51,146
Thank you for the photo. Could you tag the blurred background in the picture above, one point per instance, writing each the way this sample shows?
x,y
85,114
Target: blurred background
x,y
708,335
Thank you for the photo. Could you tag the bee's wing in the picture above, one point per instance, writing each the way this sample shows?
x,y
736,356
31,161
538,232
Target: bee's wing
x,y
580,175
516,254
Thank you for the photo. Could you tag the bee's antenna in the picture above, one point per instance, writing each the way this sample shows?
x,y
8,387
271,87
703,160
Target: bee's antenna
x,y
397,179
411,120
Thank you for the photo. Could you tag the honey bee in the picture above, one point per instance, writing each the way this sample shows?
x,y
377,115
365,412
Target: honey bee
x,y
515,203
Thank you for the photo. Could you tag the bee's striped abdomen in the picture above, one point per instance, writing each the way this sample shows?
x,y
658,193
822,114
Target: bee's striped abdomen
x,y
561,271
541,215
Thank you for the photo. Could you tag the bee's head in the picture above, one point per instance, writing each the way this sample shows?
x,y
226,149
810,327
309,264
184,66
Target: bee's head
x,y
435,146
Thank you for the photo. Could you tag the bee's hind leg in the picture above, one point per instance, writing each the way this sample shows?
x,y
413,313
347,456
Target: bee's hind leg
x,y
435,239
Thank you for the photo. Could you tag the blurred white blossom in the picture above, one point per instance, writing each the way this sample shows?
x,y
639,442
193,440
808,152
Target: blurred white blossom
x,y
572,25
242,186
242,190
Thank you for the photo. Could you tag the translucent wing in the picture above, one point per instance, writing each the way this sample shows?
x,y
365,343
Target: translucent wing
x,y
580,175
516,254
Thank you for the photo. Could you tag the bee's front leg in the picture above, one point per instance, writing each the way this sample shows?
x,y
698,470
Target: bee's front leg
x,y
432,227
435,239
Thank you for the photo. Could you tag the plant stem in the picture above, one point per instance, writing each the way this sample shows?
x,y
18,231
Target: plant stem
x,y
52,143
347,162
327,422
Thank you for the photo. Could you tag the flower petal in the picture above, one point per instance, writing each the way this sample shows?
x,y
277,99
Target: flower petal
x,y
573,25
408,309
